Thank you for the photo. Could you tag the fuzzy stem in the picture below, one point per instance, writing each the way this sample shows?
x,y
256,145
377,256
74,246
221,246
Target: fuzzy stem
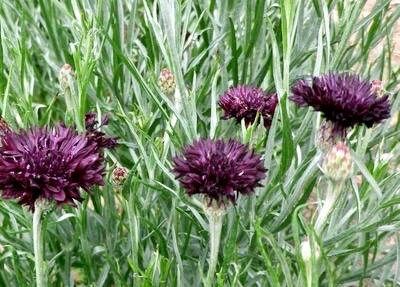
x,y
38,244
332,194
215,219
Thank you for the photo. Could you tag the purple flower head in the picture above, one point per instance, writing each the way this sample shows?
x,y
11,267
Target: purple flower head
x,y
91,121
48,163
219,170
244,102
94,134
344,99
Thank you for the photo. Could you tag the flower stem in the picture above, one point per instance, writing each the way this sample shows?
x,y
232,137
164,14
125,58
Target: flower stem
x,y
215,219
38,244
332,194
309,276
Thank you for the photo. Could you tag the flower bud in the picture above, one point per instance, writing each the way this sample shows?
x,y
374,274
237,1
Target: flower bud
x,y
307,252
337,164
166,81
66,75
159,144
394,119
119,175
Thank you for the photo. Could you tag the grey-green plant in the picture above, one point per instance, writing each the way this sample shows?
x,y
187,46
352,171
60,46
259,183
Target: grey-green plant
x,y
146,232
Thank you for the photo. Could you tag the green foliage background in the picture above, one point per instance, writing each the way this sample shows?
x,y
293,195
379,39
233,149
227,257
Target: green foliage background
x,y
148,232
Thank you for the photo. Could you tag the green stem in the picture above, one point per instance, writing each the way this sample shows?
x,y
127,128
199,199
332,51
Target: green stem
x,y
215,219
309,273
38,244
332,194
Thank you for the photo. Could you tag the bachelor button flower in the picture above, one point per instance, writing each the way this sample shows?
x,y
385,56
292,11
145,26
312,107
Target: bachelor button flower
x,y
344,99
50,164
244,102
93,134
219,170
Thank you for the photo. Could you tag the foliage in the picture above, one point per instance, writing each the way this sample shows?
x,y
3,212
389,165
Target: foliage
x,y
148,232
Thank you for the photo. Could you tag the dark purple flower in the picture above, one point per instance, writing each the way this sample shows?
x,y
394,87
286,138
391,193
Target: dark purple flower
x,y
219,169
91,121
94,134
344,99
244,102
48,163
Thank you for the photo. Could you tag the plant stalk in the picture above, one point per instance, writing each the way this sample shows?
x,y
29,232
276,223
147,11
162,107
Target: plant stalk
x,y
332,194
38,244
309,275
215,218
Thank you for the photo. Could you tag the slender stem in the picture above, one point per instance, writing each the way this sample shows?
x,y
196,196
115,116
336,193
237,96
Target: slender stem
x,y
309,273
38,244
332,194
215,219
310,254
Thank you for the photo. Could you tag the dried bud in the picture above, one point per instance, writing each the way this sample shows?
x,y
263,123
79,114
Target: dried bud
x,y
337,164
119,175
307,252
66,75
1,248
166,81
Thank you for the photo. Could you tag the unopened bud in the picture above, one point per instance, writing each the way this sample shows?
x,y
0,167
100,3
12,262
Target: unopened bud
x,y
159,144
337,163
358,179
307,252
119,175
166,81
66,75
394,119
